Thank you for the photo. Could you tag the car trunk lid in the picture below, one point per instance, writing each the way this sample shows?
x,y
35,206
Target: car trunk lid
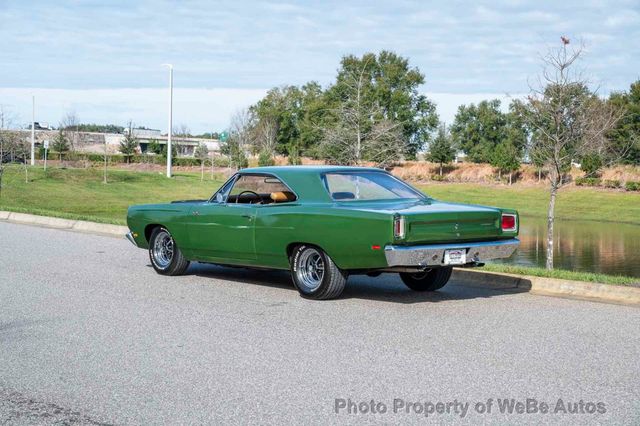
x,y
439,222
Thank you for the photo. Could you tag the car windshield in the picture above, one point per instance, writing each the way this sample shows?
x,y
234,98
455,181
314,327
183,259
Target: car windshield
x,y
367,185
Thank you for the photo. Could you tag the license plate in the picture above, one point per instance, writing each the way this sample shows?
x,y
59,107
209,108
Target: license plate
x,y
455,257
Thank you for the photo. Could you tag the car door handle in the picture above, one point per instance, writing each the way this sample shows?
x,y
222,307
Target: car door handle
x,y
248,216
196,213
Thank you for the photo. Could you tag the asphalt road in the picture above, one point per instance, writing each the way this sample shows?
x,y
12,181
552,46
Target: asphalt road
x,y
89,334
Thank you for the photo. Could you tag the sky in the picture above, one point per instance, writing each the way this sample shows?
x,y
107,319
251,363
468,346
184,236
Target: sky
x,y
103,60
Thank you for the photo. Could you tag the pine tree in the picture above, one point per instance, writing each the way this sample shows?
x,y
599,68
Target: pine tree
x,y
441,149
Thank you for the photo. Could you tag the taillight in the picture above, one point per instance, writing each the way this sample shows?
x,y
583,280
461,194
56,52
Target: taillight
x,y
509,222
398,227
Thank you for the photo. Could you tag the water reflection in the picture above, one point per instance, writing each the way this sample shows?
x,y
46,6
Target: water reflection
x,y
582,246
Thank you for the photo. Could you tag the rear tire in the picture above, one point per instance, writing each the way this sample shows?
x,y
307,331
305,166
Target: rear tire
x,y
166,258
430,280
315,275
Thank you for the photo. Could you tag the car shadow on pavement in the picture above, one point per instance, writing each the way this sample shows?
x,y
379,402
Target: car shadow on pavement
x,y
384,288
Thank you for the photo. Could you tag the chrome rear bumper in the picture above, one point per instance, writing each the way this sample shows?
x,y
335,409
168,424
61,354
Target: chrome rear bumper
x,y
433,254
129,236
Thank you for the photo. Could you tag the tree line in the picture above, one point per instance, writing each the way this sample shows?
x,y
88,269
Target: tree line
x,y
373,112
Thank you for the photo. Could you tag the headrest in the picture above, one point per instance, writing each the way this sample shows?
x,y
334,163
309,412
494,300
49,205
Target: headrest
x,y
283,196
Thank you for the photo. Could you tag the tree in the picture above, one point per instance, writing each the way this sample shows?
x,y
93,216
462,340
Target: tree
x,y
181,132
590,164
241,135
477,130
506,159
129,143
388,81
278,113
60,143
360,130
441,150
569,121
266,133
69,125
626,134
154,147
201,153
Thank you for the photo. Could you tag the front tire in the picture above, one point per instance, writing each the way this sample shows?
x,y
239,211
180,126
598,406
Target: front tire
x,y
430,280
315,275
165,256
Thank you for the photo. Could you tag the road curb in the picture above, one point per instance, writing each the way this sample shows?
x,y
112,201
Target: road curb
x,y
607,293
68,224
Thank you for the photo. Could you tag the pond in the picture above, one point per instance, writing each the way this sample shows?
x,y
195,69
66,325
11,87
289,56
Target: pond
x,y
608,248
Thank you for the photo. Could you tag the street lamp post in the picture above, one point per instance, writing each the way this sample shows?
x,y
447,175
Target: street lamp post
x,y
170,119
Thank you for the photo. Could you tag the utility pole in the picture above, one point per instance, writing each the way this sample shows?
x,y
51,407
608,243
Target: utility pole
x,y
33,130
170,119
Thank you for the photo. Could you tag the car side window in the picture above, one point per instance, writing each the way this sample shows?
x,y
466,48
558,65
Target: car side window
x,y
259,189
221,195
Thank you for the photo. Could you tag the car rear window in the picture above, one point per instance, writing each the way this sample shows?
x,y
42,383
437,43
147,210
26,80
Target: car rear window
x,y
351,186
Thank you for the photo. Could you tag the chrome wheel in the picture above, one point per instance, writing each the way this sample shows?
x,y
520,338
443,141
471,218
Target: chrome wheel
x,y
310,271
162,251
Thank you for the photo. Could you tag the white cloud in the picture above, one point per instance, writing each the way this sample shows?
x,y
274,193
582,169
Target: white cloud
x,y
623,19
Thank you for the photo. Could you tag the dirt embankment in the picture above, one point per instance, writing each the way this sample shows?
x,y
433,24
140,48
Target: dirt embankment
x,y
420,171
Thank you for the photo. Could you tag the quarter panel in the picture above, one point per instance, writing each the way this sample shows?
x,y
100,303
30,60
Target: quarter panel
x,y
346,235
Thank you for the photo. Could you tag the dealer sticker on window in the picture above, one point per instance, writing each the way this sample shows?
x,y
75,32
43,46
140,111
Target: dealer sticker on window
x,y
455,257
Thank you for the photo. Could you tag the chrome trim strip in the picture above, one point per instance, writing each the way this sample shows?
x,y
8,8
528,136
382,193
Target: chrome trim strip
x,y
433,254
129,236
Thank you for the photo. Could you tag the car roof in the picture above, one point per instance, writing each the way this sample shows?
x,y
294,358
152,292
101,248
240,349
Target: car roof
x,y
308,169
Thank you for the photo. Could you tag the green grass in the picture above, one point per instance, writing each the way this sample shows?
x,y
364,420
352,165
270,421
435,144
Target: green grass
x,y
561,274
80,193
571,203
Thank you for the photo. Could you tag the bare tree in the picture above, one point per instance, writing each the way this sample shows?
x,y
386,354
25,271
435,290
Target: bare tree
x,y
181,131
69,124
361,131
241,137
201,153
266,133
568,121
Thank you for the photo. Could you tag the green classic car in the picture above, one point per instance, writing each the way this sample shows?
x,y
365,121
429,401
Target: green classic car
x,y
324,223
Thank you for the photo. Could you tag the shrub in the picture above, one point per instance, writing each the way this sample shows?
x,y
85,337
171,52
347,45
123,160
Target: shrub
x,y
591,164
265,159
186,161
587,182
612,183
438,178
632,186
